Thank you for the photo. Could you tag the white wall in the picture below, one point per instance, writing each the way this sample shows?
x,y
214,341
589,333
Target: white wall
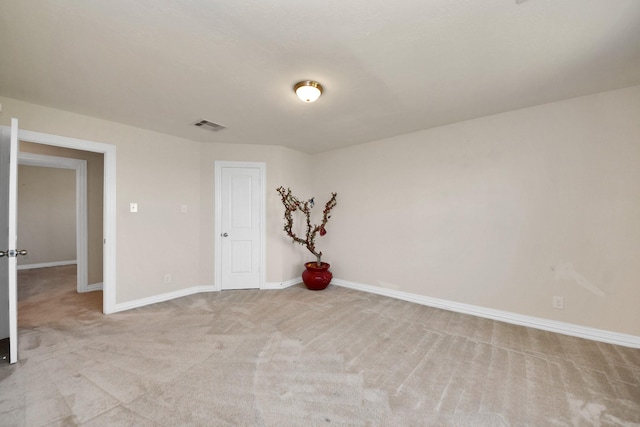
x,y
159,172
501,212
284,167
46,214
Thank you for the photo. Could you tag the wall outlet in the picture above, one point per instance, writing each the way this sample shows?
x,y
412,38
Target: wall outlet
x,y
167,278
558,302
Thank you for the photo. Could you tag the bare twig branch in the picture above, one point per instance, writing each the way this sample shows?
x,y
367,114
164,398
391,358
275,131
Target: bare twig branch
x,y
292,204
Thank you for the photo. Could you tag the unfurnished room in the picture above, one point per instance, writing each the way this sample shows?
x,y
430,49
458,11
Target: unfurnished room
x,y
337,213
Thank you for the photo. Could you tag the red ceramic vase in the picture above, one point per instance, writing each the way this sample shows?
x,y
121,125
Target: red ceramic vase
x,y
316,277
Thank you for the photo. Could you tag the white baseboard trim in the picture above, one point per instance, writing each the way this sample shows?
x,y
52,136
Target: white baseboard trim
x,y
129,305
474,310
94,287
282,285
503,316
46,264
291,282
272,285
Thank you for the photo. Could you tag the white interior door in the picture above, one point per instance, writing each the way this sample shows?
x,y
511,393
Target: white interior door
x,y
8,238
240,196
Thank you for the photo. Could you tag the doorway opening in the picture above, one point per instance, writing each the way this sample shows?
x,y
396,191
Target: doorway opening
x,y
9,156
60,205
60,221
108,238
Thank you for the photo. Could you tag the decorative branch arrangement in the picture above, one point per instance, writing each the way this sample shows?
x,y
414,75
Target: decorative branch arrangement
x,y
292,204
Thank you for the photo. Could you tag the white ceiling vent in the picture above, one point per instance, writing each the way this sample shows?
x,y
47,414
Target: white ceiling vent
x,y
206,124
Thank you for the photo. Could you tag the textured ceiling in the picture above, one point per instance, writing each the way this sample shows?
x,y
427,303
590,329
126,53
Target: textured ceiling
x,y
388,67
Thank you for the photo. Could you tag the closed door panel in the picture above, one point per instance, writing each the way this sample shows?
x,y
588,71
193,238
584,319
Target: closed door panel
x,y
240,228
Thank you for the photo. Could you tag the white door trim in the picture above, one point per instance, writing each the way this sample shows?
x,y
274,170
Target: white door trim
x,y
109,205
262,167
80,167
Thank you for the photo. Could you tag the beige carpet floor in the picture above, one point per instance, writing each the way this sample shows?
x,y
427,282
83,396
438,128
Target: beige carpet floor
x,y
299,358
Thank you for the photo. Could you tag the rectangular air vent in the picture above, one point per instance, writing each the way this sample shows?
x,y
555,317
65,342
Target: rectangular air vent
x,y
206,124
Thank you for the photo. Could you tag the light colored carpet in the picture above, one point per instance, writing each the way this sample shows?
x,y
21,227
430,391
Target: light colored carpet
x,y
297,357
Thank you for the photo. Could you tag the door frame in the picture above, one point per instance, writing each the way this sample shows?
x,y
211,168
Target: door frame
x,y
109,203
262,168
80,168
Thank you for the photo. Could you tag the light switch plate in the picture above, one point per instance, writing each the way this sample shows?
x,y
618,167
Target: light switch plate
x,y
133,207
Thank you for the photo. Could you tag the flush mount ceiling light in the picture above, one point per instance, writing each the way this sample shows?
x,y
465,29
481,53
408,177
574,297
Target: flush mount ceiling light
x,y
308,90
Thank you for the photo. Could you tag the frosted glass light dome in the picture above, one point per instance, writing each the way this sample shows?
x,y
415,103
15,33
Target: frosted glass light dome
x,y
308,90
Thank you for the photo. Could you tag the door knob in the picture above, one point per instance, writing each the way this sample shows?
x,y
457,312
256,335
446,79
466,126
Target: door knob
x,y
225,234
12,253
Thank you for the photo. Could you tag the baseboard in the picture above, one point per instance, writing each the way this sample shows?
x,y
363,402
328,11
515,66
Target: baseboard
x,y
503,316
282,285
129,305
488,313
94,287
272,285
291,282
46,264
